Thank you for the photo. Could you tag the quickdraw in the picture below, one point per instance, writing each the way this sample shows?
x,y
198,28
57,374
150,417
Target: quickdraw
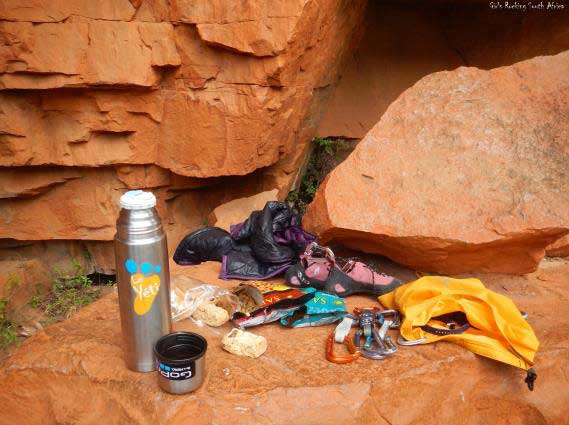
x,y
377,343
330,356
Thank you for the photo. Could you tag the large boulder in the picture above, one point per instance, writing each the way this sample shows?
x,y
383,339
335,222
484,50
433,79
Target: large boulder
x,y
74,372
466,171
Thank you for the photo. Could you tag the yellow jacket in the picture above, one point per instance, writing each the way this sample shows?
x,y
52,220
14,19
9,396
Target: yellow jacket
x,y
498,329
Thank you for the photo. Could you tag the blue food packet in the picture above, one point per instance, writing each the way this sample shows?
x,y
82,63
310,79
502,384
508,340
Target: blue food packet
x,y
322,309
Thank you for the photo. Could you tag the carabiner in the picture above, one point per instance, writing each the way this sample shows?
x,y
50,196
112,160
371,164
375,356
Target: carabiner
x,y
330,356
377,354
389,343
405,343
360,310
328,253
383,340
396,322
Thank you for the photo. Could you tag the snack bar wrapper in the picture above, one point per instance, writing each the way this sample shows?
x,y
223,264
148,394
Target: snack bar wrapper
x,y
265,302
322,309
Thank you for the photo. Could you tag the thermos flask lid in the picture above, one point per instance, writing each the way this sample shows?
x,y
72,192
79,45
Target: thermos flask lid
x,y
137,200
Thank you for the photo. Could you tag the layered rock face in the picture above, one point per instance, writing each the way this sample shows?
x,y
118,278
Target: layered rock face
x,y
293,383
466,171
97,98
222,110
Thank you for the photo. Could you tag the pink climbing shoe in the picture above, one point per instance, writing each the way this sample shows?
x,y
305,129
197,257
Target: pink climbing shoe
x,y
318,268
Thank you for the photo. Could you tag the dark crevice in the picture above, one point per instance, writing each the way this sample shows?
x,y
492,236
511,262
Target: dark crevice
x,y
102,279
325,154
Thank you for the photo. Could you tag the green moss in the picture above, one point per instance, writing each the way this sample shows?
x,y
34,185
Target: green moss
x,y
326,154
8,334
35,301
69,292
7,328
87,255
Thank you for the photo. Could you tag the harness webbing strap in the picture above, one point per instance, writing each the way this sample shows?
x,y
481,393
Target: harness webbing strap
x,y
443,332
343,329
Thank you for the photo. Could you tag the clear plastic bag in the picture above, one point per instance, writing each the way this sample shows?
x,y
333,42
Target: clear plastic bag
x,y
186,294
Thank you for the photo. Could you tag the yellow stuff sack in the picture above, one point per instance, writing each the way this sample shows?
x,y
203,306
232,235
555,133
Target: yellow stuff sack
x,y
497,328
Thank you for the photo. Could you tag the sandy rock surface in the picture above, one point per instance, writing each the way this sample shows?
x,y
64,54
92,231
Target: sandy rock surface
x,y
466,171
74,372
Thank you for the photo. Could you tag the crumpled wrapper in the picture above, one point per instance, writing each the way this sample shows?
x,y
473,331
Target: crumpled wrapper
x,y
264,302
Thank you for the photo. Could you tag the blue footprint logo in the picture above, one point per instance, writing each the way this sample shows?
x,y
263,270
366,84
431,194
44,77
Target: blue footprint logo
x,y
144,284
145,268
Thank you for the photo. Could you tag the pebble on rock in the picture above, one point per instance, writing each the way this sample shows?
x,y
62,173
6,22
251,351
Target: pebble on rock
x,y
242,343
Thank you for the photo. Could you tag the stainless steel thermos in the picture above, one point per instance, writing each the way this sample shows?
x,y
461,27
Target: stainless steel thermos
x,y
143,279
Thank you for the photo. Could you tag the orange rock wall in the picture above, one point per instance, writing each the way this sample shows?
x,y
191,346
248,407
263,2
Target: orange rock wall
x,y
172,96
